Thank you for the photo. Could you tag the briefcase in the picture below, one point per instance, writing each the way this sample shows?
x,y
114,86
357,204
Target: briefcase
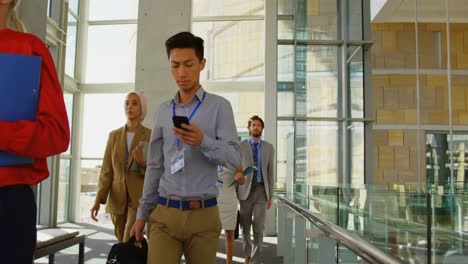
x,y
128,252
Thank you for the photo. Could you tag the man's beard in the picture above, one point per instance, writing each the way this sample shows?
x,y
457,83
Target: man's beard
x,y
256,134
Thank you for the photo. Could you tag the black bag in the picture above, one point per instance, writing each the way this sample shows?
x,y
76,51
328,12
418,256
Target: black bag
x,y
128,252
236,231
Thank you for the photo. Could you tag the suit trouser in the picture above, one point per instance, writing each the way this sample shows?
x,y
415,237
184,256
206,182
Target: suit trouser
x,y
17,224
194,233
123,223
254,206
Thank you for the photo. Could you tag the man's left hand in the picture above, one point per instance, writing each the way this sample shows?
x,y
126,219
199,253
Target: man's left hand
x,y
190,135
269,203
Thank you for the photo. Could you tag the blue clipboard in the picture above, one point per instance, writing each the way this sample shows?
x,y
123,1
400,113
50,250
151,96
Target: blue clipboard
x,y
19,93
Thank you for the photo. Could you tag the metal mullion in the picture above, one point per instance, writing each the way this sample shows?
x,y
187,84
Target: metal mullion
x,y
227,18
285,17
342,75
112,22
294,123
320,42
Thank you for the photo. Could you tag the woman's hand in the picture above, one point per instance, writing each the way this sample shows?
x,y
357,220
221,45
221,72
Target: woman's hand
x,y
94,211
138,155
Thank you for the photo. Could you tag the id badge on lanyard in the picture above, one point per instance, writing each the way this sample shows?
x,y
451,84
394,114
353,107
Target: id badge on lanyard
x,y
178,161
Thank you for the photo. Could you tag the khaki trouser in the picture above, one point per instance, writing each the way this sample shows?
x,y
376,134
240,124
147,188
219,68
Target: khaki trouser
x,y
194,233
123,224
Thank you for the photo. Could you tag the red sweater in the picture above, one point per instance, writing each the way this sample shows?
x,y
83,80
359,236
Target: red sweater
x,y
49,134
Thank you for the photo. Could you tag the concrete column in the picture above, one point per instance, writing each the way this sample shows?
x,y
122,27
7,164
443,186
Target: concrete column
x,y
157,21
271,95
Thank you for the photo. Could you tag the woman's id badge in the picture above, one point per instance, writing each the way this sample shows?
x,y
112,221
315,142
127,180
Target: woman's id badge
x,y
219,184
177,163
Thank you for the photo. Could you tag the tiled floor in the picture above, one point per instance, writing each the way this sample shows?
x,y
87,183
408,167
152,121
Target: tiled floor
x,y
99,240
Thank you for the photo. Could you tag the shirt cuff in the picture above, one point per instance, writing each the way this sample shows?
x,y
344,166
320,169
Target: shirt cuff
x,y
143,214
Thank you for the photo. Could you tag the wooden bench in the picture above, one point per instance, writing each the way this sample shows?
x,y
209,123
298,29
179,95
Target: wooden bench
x,y
51,241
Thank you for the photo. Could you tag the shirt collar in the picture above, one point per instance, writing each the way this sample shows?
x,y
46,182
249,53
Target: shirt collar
x,y
253,141
198,95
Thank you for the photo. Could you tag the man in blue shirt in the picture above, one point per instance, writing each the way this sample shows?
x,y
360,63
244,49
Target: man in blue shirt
x,y
255,196
182,163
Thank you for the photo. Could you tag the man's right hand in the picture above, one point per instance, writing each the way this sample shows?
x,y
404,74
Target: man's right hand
x,y
239,178
137,229
94,211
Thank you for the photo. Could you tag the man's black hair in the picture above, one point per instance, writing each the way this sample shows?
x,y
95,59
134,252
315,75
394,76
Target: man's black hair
x,y
184,40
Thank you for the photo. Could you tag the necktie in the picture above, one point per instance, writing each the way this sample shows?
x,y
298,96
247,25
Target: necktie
x,y
255,159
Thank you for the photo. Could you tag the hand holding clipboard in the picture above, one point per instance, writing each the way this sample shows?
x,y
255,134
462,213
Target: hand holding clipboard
x,y
246,171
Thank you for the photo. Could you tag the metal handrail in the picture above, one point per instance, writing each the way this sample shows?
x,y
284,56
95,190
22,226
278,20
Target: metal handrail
x,y
362,248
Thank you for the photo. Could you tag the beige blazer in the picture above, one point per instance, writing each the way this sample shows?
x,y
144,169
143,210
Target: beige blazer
x,y
116,178
268,170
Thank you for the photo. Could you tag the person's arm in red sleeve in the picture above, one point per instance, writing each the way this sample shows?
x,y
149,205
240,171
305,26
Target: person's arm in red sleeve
x,y
49,134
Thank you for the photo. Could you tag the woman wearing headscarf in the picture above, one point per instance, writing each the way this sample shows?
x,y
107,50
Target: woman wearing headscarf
x,y
27,138
123,168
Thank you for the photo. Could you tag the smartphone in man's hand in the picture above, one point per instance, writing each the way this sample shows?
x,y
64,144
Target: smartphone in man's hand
x,y
179,120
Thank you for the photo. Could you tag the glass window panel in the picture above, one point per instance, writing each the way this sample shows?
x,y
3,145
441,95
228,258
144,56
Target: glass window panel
x,y
285,63
68,97
111,54
439,163
316,20
233,50
73,5
227,7
316,81
71,46
113,9
285,29
241,102
356,157
434,98
102,114
285,154
285,80
90,170
354,23
316,153
355,82
285,7
63,196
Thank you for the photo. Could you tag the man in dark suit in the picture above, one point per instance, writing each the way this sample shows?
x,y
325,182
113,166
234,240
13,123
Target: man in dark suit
x,y
256,194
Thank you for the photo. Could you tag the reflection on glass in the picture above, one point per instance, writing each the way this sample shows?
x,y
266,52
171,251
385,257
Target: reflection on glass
x,y
316,20
316,81
228,7
90,170
285,29
71,46
111,54
68,97
354,23
356,157
102,114
316,153
73,5
63,196
285,7
285,153
439,161
232,50
355,82
113,9
285,80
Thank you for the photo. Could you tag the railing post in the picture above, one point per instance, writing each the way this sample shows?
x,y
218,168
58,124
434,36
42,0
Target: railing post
x,y
429,227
